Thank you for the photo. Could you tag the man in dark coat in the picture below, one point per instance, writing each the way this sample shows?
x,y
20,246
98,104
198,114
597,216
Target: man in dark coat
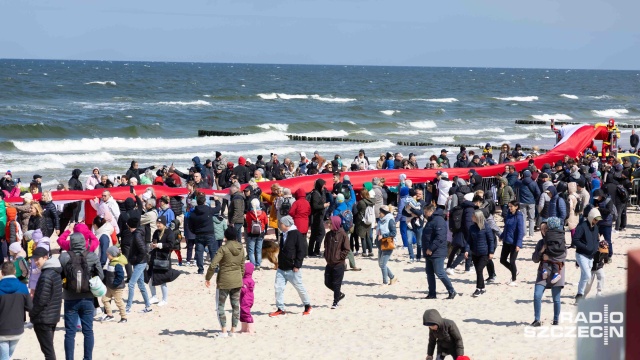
x,y
47,301
434,243
135,171
318,205
75,184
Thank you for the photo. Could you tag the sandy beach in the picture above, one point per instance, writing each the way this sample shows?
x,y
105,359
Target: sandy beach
x,y
372,322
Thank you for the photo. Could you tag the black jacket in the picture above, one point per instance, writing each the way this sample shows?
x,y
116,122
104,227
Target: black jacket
x,y
434,235
633,140
37,222
138,251
242,174
51,217
293,251
176,205
74,182
167,240
447,337
135,173
14,301
201,219
585,239
47,299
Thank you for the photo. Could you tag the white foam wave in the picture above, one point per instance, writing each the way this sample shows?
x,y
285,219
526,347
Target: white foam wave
x,y
325,133
332,99
351,122
267,126
518,98
601,97
98,144
364,132
548,117
404,133
568,96
291,97
443,139
270,96
536,127
110,83
455,132
440,100
512,136
610,113
389,112
207,96
424,124
185,103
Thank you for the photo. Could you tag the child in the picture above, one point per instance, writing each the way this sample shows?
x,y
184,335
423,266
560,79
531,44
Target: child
x,y
444,333
114,280
246,299
555,248
21,266
413,212
597,271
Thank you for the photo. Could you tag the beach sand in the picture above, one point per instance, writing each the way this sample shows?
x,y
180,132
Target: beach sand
x,y
372,322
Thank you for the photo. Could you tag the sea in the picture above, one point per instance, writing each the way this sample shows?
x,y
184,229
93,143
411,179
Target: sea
x,y
59,115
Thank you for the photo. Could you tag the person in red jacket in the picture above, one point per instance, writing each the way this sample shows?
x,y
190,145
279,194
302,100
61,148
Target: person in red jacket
x,y
255,236
300,211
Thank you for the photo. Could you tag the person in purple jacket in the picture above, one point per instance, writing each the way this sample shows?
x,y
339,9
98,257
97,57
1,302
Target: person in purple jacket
x,y
246,299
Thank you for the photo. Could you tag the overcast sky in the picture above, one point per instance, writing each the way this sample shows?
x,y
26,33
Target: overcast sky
x,y
492,33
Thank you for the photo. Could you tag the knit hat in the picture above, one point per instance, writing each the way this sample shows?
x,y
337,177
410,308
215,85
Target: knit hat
x,y
594,214
241,161
113,251
36,235
375,181
162,220
28,235
230,233
286,221
368,186
340,198
15,248
346,178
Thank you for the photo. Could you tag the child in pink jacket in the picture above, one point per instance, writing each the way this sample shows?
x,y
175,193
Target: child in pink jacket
x,y
92,241
246,299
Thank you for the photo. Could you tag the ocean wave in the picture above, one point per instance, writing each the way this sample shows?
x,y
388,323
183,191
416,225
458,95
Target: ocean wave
x,y
280,127
574,97
207,95
270,96
512,136
389,112
404,133
118,143
332,99
517,98
536,127
610,113
441,100
325,133
292,97
109,83
364,132
424,124
601,97
548,117
443,139
464,132
184,103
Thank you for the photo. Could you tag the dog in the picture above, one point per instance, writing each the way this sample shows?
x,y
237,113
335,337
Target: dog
x,y
270,251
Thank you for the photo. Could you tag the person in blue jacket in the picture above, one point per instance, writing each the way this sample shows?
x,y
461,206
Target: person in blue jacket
x,y
482,245
403,195
528,195
512,236
434,243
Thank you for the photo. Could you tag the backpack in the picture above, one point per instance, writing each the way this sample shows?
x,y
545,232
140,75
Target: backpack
x,y
24,269
285,207
77,274
347,220
455,219
256,227
346,191
177,235
622,192
369,217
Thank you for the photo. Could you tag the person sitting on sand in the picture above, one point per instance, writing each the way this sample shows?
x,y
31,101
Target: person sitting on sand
x,y
445,334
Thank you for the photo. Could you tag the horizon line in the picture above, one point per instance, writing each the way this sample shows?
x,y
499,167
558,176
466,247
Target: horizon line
x,y
295,64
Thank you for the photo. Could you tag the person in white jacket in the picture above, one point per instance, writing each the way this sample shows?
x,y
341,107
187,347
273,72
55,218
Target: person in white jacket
x,y
444,184
109,201
93,180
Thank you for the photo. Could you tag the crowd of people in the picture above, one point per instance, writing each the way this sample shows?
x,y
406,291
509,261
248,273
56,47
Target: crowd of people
x,y
450,221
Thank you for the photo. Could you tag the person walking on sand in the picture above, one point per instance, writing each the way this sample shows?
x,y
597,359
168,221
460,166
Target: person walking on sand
x,y
14,302
293,249
445,334
512,237
47,301
481,245
246,299
230,257
336,248
386,231
434,241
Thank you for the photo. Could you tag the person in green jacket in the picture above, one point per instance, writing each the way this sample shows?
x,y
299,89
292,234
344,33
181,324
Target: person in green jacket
x,y
230,258
3,215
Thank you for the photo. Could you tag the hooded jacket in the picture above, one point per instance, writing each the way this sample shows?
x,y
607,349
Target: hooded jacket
x,y
241,172
78,246
481,241
92,242
14,302
74,182
47,298
318,200
236,208
434,235
557,205
606,207
197,164
24,214
447,336
361,228
573,198
300,211
514,229
246,293
293,250
114,273
230,257
201,219
336,243
528,190
586,238
505,193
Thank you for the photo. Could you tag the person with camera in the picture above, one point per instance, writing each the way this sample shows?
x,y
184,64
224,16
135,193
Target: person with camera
x,y
160,271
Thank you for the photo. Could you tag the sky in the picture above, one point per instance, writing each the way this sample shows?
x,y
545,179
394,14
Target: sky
x,y
569,34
